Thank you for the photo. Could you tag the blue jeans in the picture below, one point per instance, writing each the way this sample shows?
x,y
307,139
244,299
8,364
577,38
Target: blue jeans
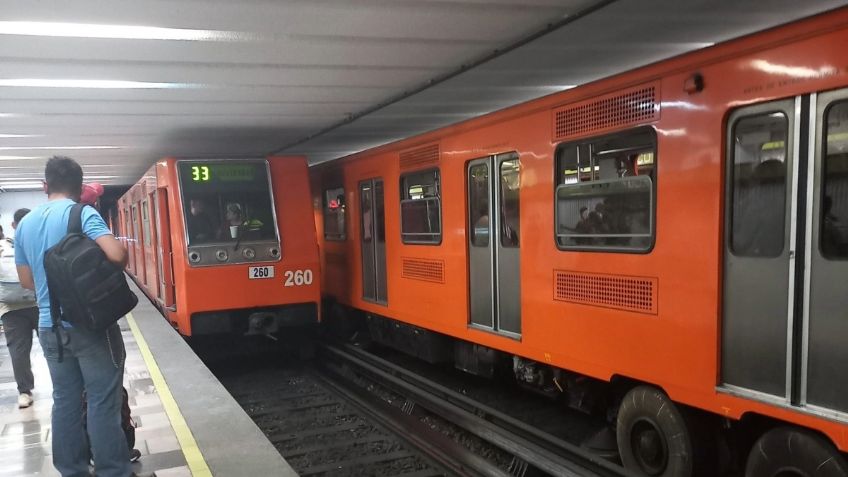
x,y
93,362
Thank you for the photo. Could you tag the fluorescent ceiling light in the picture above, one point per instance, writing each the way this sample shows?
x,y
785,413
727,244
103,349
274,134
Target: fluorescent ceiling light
x,y
20,158
92,84
7,136
9,115
29,148
123,32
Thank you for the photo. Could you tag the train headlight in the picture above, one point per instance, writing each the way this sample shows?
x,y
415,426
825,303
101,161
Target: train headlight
x,y
221,255
275,252
194,257
249,253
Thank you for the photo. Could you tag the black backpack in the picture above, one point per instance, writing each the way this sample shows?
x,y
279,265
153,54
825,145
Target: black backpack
x,y
86,289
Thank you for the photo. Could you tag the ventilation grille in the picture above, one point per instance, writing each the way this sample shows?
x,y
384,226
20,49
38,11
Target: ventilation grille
x,y
637,294
419,156
423,269
607,112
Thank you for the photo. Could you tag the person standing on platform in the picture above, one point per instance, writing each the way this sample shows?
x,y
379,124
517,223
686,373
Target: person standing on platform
x,y
93,360
20,319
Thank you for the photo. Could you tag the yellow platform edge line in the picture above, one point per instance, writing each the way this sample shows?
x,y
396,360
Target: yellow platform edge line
x,y
194,458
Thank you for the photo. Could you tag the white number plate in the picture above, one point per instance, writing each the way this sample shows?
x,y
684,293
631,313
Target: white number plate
x,y
254,273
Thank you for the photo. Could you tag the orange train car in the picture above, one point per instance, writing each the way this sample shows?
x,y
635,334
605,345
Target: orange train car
x,y
667,239
225,247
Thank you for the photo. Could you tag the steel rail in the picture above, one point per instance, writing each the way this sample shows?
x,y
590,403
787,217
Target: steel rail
x,y
444,452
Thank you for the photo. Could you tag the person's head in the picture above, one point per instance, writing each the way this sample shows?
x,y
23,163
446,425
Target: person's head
x,y
584,212
90,193
63,176
196,206
233,213
1,232
16,218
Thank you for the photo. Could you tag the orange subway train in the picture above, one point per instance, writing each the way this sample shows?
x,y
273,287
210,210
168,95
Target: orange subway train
x,y
225,247
669,244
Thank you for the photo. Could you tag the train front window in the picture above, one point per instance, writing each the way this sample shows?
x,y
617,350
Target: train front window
x,y
606,191
226,201
759,185
833,234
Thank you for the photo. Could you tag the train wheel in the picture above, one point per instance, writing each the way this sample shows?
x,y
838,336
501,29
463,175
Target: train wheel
x,y
653,438
792,452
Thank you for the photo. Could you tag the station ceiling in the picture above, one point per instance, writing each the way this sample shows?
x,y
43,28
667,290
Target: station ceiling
x,y
118,84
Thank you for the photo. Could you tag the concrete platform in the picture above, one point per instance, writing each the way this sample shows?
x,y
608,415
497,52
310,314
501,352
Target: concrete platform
x,y
188,425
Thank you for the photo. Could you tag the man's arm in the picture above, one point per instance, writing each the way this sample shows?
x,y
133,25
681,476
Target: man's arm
x,y
96,229
25,277
114,249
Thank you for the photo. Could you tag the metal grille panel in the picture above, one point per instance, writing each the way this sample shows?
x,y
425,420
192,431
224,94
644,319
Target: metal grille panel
x,y
420,156
423,269
637,294
607,112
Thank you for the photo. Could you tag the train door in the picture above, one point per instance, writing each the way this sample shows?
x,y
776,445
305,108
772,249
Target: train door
x,y
138,251
825,319
786,245
373,241
149,245
493,243
127,233
163,247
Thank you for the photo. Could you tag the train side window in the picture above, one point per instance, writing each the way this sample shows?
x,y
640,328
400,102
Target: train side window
x,y
834,206
478,192
421,207
510,206
334,214
145,220
758,214
606,192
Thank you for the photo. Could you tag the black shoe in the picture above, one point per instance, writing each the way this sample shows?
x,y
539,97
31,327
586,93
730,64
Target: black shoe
x,y
135,454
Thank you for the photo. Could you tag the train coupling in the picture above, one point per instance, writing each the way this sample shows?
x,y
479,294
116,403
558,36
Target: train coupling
x,y
263,323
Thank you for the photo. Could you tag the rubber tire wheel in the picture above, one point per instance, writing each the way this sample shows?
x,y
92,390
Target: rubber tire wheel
x,y
646,403
786,449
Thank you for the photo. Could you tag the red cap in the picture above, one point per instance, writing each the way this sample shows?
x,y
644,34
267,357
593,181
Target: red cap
x,y
90,193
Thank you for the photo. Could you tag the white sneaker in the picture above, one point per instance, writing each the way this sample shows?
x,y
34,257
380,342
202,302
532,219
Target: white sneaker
x,y
24,401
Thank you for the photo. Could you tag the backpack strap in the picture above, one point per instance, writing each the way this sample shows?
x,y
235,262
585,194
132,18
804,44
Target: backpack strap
x,y
75,219
56,319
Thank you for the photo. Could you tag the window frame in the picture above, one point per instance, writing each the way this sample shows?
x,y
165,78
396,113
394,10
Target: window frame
x,y
558,186
730,179
404,193
342,236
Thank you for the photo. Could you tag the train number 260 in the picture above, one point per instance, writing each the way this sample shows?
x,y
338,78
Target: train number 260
x,y
296,278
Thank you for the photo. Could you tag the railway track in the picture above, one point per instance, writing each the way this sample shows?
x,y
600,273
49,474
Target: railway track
x,y
358,414
530,451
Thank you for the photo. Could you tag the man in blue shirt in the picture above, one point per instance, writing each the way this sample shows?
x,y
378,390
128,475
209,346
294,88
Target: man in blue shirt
x,y
93,360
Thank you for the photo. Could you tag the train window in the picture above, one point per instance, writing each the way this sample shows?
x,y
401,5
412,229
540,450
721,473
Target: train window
x,y
510,210
334,214
226,201
834,205
479,204
605,192
421,207
145,219
757,221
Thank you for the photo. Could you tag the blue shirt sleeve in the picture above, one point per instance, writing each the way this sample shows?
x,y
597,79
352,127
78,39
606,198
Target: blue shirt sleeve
x,y
92,224
20,254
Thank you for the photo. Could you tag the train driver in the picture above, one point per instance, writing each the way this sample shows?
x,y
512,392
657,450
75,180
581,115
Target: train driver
x,y
201,225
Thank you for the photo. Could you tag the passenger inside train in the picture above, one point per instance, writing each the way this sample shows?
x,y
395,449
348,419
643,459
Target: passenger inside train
x,y
604,197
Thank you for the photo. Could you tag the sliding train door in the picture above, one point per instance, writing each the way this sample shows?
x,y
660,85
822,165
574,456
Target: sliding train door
x,y
825,321
757,258
373,240
493,244
785,310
